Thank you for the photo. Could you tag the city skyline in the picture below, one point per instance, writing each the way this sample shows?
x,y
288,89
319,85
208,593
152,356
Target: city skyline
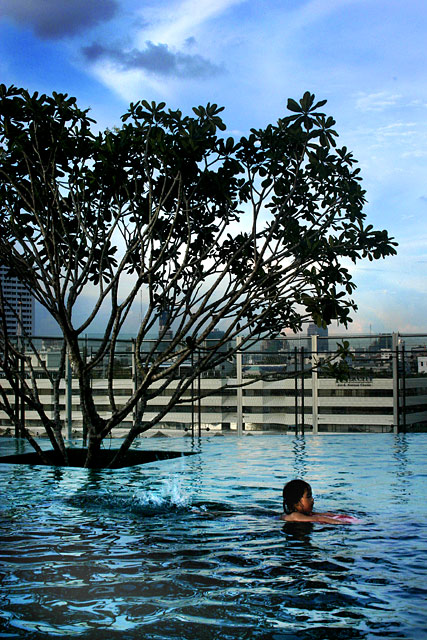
x,y
365,57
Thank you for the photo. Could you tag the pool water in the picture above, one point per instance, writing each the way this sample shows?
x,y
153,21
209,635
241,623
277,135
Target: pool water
x,y
193,548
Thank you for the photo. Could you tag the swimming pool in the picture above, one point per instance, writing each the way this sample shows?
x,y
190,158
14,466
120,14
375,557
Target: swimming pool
x,y
192,547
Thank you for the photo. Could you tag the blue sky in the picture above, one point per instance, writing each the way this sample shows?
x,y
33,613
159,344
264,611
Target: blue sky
x,y
366,57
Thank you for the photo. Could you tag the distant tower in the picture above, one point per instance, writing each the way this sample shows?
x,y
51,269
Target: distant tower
x,y
163,322
314,330
18,303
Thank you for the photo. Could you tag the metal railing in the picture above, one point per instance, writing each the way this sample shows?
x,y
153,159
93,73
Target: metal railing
x,y
398,358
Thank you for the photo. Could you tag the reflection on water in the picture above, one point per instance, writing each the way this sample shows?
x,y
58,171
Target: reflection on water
x,y
401,484
19,445
193,547
400,454
299,449
300,531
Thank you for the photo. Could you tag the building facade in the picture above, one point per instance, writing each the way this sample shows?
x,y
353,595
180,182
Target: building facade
x,y
383,393
18,305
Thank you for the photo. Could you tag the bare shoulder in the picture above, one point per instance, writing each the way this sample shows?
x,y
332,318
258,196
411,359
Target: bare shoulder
x,y
314,517
295,516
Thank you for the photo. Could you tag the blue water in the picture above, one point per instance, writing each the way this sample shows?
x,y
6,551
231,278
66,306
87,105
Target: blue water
x,y
192,547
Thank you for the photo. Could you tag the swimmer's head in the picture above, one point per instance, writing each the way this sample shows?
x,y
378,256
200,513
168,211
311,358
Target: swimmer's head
x,y
293,492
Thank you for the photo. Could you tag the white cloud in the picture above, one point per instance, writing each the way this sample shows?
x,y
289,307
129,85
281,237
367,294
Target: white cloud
x,y
418,103
172,30
416,153
132,85
377,101
315,10
180,21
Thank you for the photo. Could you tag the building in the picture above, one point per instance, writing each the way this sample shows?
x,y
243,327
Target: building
x,y
382,394
321,333
422,364
19,305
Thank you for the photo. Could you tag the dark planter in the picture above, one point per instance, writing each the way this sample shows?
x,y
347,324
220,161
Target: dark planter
x,y
77,457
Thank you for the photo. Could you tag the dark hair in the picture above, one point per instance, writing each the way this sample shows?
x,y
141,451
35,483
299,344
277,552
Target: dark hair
x,y
293,491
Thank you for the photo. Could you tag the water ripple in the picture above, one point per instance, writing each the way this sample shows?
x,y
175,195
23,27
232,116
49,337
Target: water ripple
x,y
193,549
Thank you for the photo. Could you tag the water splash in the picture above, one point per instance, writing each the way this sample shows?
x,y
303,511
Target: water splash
x,y
170,497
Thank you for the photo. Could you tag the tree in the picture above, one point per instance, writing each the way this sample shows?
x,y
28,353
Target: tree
x,y
249,235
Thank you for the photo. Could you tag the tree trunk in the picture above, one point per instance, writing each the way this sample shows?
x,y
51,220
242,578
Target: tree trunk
x,y
118,458
93,449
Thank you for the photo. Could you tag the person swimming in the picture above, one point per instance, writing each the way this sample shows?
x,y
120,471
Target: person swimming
x,y
298,506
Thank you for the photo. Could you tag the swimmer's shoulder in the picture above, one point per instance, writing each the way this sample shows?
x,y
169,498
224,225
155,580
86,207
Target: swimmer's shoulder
x,y
295,516
323,518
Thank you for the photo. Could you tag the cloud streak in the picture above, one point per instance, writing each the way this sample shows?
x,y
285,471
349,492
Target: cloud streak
x,y
183,19
157,59
55,19
377,101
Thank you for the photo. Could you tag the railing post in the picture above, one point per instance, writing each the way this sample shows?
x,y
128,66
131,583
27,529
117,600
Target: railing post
x,y
192,393
395,356
302,392
22,407
239,374
16,399
403,390
85,357
314,386
19,402
134,375
296,388
199,402
68,396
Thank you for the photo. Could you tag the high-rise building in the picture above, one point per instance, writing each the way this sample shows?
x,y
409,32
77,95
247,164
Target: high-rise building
x,y
164,332
18,305
322,333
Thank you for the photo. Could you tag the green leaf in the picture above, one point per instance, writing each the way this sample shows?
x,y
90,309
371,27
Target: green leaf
x,y
293,106
306,101
319,104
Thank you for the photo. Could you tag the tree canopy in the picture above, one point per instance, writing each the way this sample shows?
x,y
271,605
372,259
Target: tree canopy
x,y
247,235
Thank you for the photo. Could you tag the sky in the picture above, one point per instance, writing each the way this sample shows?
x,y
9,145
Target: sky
x,y
366,57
